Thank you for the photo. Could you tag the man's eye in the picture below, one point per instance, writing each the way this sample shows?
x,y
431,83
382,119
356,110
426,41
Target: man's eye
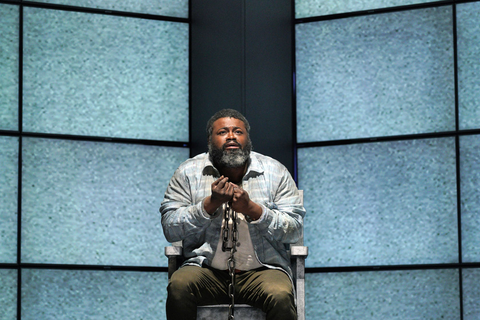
x,y
239,132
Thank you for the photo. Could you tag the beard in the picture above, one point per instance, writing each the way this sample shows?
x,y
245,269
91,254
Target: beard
x,y
235,158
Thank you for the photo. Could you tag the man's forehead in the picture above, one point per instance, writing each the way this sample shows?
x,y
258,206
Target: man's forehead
x,y
228,123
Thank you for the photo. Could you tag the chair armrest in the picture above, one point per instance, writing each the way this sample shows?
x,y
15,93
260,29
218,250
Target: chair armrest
x,y
298,255
175,257
173,251
298,251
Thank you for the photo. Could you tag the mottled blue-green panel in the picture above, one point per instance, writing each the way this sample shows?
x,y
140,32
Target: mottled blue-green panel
x,y
470,194
468,48
9,45
389,295
8,199
94,202
383,203
310,8
93,295
471,294
375,75
91,74
8,294
177,8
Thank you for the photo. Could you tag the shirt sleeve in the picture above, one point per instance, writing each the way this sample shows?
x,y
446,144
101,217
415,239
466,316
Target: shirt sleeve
x,y
282,220
180,215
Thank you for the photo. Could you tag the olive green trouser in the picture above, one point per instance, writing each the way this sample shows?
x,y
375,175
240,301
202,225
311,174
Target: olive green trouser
x,y
267,289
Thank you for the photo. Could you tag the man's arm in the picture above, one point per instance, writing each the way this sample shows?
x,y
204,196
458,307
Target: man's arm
x,y
181,217
283,217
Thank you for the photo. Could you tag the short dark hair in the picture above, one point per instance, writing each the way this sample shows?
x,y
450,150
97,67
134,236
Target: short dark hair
x,y
226,113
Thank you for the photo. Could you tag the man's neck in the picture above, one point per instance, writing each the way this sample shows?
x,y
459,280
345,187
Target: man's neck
x,y
234,175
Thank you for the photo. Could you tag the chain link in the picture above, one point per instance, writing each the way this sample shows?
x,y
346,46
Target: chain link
x,y
230,214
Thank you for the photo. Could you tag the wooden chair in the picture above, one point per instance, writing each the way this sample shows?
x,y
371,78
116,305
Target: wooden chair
x,y
298,254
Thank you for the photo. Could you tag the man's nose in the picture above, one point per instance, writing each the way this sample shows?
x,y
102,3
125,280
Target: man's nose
x,y
230,135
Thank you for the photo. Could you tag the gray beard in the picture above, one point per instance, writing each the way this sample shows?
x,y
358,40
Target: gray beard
x,y
229,158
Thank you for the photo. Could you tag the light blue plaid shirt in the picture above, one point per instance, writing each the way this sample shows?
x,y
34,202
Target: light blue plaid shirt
x,y
267,182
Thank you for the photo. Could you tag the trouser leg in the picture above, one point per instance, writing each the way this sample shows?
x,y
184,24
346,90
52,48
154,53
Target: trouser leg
x,y
191,286
270,290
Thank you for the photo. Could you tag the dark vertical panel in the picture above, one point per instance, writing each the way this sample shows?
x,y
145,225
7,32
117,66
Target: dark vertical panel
x,y
216,63
269,86
242,59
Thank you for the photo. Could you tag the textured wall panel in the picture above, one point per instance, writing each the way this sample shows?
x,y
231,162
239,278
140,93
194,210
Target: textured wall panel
x,y
468,46
177,8
9,67
94,203
380,203
8,199
310,8
470,192
8,294
93,295
90,74
375,75
392,295
471,294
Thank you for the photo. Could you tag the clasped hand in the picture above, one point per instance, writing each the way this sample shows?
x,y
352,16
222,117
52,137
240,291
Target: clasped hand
x,y
226,191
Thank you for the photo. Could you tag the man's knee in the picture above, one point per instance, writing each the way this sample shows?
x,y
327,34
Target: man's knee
x,y
278,285
179,278
197,284
280,304
182,281
280,295
181,302
279,299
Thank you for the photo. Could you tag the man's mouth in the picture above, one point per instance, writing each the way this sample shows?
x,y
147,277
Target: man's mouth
x,y
231,146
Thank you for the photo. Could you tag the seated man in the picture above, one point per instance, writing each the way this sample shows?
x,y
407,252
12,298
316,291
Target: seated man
x,y
235,210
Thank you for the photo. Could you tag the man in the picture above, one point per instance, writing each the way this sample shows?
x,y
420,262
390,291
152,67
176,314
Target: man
x,y
204,193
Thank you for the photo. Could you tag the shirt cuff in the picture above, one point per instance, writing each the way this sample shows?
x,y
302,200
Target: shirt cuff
x,y
262,217
206,214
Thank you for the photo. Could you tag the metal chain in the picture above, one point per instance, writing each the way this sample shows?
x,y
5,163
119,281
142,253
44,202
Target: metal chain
x,y
230,214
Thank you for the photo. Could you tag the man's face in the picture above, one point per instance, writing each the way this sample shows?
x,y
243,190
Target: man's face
x,y
229,144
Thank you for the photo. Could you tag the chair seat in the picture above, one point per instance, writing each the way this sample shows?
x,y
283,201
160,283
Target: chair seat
x,y
241,312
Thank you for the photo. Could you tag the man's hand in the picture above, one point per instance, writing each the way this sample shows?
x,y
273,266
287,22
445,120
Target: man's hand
x,y
241,203
222,191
